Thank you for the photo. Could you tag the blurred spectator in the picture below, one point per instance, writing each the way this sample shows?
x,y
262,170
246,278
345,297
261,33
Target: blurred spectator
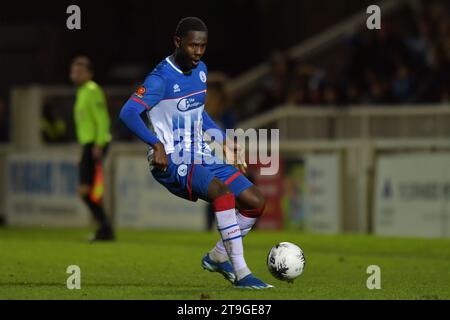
x,y
331,95
445,95
218,101
274,86
402,85
307,85
53,125
4,122
419,45
436,77
352,94
298,92
377,90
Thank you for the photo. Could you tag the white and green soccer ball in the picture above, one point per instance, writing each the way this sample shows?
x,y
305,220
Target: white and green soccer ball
x,y
286,261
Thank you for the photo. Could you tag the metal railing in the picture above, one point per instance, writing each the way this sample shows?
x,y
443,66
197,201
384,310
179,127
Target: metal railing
x,y
360,122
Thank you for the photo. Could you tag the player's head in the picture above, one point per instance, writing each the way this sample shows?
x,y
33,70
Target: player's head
x,y
81,70
191,37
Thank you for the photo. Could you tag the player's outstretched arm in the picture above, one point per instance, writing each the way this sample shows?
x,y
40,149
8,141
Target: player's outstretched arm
x,y
145,97
130,116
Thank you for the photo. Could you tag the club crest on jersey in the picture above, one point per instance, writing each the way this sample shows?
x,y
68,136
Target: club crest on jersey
x,y
202,76
183,104
176,88
140,92
182,170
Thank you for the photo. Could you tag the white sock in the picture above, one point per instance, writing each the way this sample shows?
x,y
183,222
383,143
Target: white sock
x,y
232,240
219,253
245,223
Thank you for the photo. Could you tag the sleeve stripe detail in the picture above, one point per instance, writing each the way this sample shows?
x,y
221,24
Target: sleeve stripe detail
x,y
141,102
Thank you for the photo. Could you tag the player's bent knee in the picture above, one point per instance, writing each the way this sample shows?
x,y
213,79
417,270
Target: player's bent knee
x,y
251,198
254,204
253,213
260,201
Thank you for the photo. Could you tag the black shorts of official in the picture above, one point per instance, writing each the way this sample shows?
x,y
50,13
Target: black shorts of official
x,y
88,163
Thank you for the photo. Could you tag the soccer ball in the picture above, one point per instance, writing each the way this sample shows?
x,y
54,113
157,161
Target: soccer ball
x,y
286,261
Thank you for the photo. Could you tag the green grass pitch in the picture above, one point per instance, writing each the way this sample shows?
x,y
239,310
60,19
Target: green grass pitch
x,y
166,265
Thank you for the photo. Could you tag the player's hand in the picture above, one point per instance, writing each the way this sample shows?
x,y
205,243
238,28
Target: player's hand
x,y
235,155
160,161
240,158
97,152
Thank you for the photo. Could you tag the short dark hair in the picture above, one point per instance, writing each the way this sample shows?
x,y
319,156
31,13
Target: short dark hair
x,y
83,61
189,24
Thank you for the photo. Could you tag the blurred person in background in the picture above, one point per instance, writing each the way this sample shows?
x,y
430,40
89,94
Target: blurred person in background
x,y
331,95
352,95
4,123
53,125
92,124
310,85
298,93
377,89
435,79
274,87
403,84
218,101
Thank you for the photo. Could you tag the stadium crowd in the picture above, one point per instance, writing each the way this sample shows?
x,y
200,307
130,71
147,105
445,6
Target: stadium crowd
x,y
383,67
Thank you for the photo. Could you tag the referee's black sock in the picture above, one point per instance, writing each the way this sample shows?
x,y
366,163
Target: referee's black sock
x,y
98,213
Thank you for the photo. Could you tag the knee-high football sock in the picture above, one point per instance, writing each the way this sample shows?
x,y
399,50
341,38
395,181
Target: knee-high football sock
x,y
224,208
218,253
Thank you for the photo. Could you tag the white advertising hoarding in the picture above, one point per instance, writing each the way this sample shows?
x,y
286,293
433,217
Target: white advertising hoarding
x,y
42,190
412,195
141,202
323,193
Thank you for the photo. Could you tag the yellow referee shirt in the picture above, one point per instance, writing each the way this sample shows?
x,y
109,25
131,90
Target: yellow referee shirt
x,y
91,115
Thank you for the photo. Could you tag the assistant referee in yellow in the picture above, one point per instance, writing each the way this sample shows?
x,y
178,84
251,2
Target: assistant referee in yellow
x,y
92,125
